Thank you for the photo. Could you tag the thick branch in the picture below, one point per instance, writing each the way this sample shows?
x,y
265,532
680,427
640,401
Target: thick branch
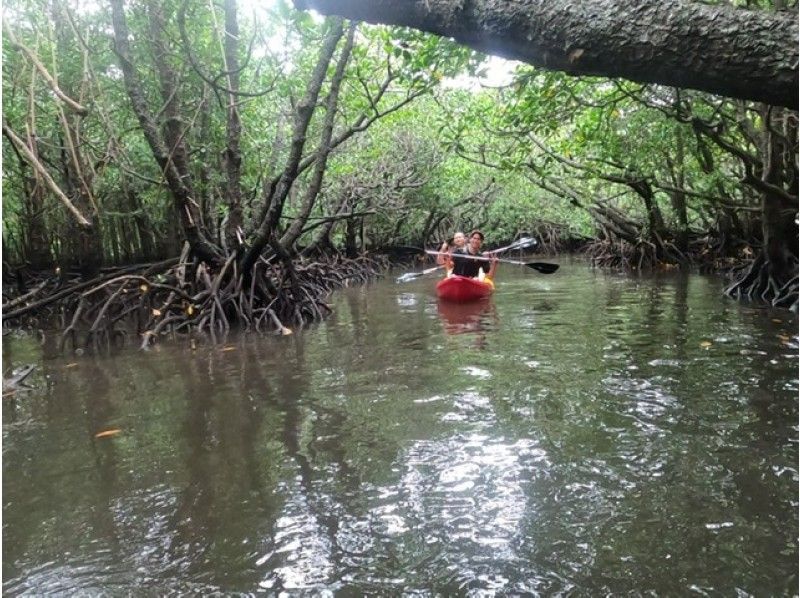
x,y
720,49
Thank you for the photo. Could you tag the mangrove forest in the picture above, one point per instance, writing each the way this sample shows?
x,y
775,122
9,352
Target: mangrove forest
x,y
189,167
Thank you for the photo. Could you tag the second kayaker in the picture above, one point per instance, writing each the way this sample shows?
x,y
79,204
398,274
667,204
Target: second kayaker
x,y
463,266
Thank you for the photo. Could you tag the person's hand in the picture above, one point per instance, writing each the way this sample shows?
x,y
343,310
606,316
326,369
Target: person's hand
x,y
444,247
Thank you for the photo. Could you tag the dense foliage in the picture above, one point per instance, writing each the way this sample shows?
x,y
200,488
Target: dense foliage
x,y
275,134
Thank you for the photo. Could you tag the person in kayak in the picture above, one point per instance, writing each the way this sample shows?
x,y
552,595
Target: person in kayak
x,y
462,266
459,242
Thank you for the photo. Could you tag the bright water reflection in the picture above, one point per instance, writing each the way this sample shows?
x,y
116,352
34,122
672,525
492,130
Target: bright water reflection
x,y
580,431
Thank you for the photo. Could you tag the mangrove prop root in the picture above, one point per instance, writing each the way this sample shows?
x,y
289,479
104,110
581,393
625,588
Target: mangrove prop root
x,y
759,280
753,278
620,254
180,295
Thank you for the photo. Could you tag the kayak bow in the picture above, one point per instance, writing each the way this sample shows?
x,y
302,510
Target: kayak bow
x,y
462,289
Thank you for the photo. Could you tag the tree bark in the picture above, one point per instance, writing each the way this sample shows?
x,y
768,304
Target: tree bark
x,y
268,220
233,154
678,196
77,174
35,238
351,238
42,171
720,49
295,230
778,222
322,242
169,161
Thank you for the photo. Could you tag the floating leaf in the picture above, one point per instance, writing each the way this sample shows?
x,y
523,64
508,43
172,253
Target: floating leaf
x,y
71,365
705,344
190,310
777,321
286,331
108,433
785,338
143,288
156,312
228,348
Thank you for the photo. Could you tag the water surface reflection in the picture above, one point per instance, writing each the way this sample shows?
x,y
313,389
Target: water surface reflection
x,y
578,432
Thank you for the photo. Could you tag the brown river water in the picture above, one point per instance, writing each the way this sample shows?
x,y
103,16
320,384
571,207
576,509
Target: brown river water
x,y
581,433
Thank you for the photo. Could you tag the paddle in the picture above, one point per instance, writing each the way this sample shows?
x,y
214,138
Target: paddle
x,y
542,267
521,243
414,275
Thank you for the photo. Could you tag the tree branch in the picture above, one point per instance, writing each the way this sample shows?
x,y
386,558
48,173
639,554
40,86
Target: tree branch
x,y
75,106
39,167
722,49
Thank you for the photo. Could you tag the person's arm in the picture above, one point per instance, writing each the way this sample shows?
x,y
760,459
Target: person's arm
x,y
447,262
441,260
493,265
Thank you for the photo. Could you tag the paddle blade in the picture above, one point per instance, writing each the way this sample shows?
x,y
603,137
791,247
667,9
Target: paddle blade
x,y
408,276
521,243
543,267
524,243
414,275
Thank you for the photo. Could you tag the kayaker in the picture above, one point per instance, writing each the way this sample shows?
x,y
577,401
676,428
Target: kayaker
x,y
459,242
461,266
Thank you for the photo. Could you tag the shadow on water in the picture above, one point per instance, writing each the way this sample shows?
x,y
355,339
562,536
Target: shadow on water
x,y
579,432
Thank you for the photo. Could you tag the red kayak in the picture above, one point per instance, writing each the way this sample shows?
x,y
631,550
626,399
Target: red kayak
x,y
462,289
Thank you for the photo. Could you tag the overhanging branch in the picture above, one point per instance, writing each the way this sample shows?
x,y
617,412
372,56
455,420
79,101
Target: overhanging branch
x,y
721,49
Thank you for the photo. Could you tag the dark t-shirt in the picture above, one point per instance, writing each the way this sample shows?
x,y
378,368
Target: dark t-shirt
x,y
467,267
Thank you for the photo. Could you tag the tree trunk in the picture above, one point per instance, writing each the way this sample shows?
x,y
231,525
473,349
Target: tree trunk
x,y
772,275
655,220
720,49
678,197
351,237
778,217
171,157
35,244
233,154
322,240
88,249
78,177
269,218
145,248
432,222
324,149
